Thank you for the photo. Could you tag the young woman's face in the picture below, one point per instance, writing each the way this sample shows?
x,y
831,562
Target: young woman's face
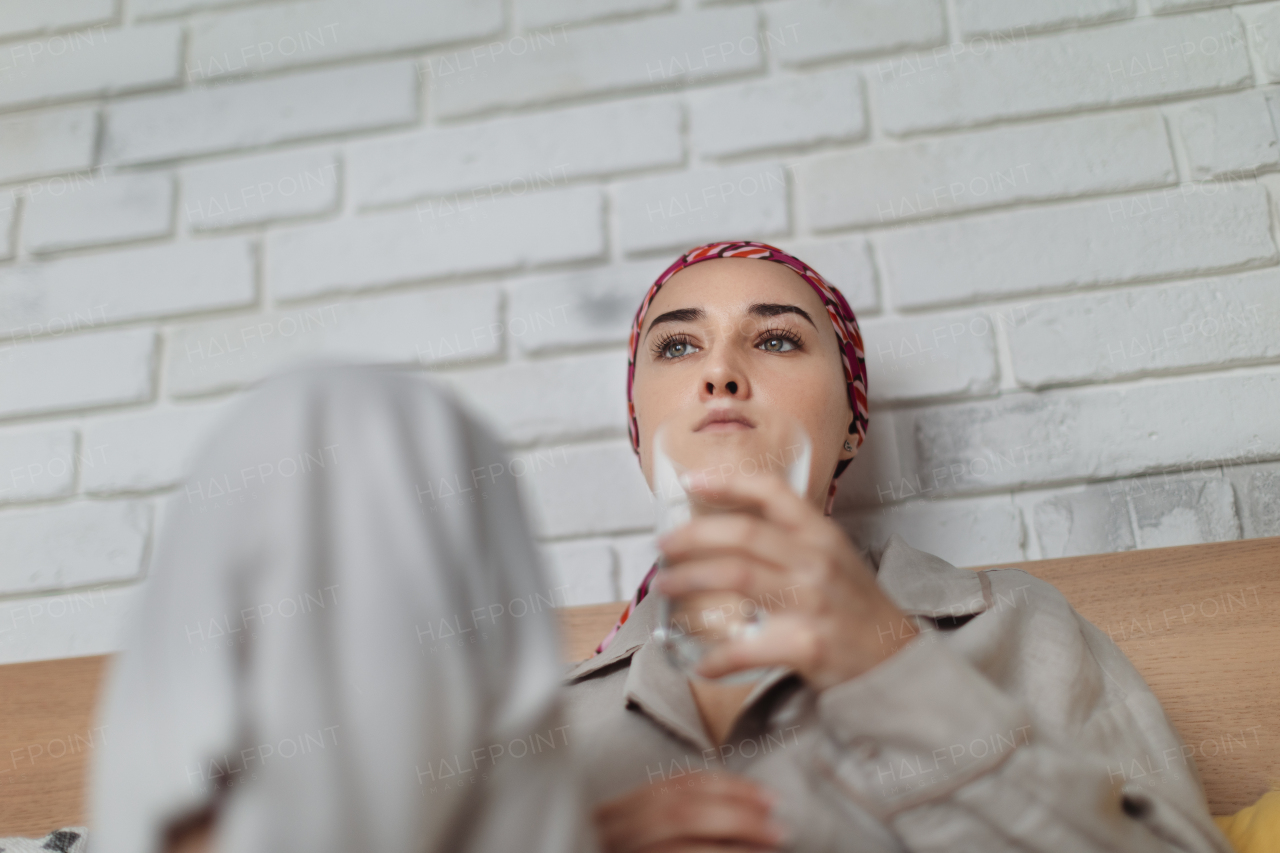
x,y
738,332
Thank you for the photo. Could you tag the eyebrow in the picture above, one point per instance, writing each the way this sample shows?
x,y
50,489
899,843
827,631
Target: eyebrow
x,y
680,315
773,309
758,309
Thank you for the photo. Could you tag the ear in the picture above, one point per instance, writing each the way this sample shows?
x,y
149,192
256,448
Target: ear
x,y
849,445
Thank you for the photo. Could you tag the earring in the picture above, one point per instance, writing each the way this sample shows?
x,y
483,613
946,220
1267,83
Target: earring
x,y
848,446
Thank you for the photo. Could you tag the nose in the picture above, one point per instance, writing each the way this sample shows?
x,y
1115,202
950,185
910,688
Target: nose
x,y
723,377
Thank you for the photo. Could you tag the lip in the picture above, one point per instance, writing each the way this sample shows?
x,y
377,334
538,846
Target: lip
x,y
724,420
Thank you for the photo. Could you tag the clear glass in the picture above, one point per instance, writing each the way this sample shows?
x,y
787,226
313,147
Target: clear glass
x,y
689,449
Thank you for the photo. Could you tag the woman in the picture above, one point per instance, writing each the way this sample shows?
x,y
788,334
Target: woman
x,y
920,708
923,707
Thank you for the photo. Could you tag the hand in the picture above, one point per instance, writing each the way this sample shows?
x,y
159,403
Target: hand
x,y
709,812
827,617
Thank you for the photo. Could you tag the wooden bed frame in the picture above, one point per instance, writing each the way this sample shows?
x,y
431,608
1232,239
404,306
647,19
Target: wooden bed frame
x,y
1202,624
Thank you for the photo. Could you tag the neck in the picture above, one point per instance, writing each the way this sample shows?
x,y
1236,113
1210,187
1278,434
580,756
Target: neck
x,y
719,706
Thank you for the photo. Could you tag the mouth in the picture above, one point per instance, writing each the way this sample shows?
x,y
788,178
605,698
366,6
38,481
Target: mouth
x,y
723,420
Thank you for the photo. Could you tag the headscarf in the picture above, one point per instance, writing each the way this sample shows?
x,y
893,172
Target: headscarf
x,y
852,357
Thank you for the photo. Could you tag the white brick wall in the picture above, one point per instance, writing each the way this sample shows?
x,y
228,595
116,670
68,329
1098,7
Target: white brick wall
x,y
91,62
79,544
1090,156
69,294
991,17
46,142
1055,218
1015,77
38,464
115,210
264,188
24,19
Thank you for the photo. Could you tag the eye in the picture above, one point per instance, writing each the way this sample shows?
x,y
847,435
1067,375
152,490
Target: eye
x,y
776,340
674,346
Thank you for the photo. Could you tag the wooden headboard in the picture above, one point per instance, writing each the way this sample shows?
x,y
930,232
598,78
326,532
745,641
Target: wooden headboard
x,y
1201,622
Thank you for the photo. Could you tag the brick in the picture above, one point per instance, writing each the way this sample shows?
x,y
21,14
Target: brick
x,y
664,51
550,400
436,240
942,355
70,546
265,188
636,555
144,451
272,36
1219,323
1088,434
1187,230
971,532
438,326
114,209
791,111
75,624
1092,520
79,372
510,156
580,572
33,16
579,309
1161,7
698,206
846,263
1229,137
813,30
1186,512
1013,18
72,294
593,490
144,9
1098,67
547,13
90,63
260,112
1263,26
38,464
46,143
927,179
1258,490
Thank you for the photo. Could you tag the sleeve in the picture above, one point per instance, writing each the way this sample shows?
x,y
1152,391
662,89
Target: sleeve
x,y
949,762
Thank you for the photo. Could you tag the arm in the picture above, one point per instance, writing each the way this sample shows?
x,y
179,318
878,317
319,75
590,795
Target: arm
x,y
927,741
1018,754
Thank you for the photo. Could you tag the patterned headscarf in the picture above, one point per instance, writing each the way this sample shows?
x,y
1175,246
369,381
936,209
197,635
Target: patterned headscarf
x,y
842,319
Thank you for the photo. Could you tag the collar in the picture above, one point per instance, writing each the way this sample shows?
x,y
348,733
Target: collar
x,y
924,585
633,634
919,583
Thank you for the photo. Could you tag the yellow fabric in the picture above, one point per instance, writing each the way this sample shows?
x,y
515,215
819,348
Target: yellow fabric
x,y
1255,828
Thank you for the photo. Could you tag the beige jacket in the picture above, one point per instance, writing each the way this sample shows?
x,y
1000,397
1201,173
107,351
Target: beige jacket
x,y
1011,723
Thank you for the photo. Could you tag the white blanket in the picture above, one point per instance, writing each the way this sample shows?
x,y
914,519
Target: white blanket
x,y
331,652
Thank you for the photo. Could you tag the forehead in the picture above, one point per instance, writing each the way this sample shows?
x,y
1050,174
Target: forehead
x,y
729,286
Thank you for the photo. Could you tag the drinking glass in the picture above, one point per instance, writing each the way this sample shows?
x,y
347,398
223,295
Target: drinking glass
x,y
691,448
